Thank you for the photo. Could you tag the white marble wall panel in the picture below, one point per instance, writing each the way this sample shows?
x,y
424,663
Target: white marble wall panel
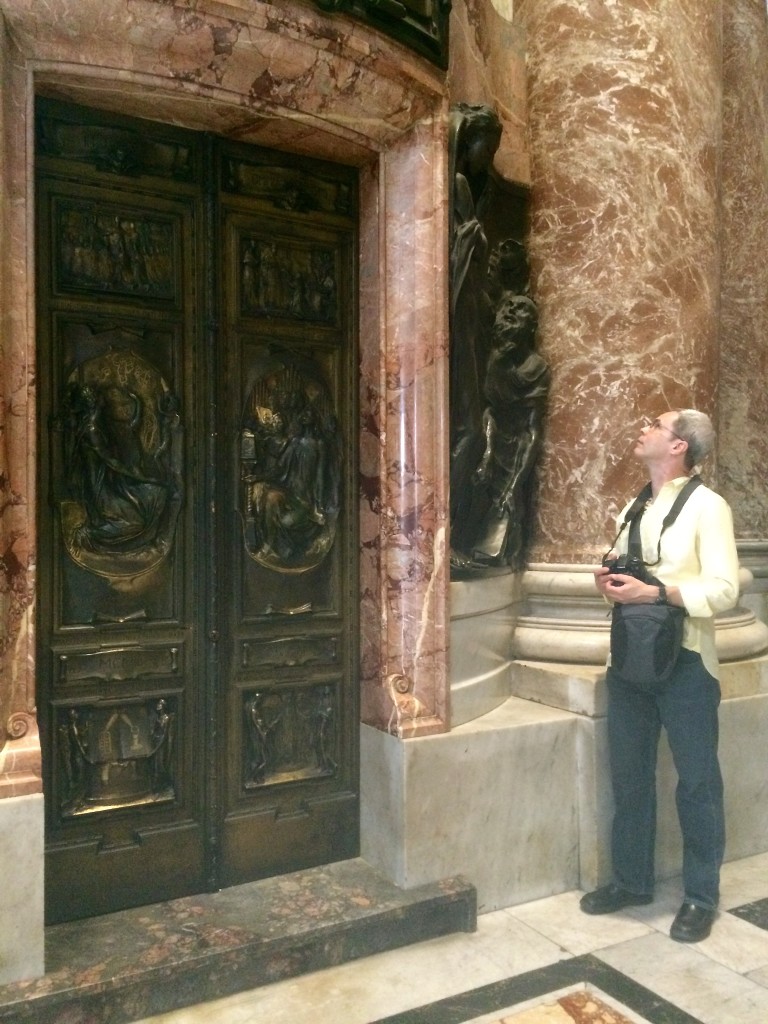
x,y
495,800
21,857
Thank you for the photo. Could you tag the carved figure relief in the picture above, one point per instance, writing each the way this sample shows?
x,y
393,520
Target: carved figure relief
x,y
290,457
122,465
114,150
516,388
290,281
114,756
498,384
114,252
291,735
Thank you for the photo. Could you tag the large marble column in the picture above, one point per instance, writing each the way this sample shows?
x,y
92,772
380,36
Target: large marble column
x,y
624,108
744,302
625,119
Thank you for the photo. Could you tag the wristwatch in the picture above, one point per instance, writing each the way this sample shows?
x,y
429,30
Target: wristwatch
x,y
662,598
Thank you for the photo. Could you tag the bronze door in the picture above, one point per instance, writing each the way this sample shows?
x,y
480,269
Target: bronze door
x,y
197,598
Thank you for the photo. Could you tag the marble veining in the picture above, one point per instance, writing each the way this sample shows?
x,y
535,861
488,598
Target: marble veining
x,y
744,288
624,109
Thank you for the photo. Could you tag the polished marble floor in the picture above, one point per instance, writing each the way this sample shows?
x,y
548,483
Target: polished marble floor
x,y
542,963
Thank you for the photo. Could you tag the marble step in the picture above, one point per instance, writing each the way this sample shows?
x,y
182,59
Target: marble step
x,y
148,960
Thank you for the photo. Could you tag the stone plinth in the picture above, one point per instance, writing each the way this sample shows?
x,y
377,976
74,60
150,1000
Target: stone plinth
x,y
532,782
498,796
483,614
21,862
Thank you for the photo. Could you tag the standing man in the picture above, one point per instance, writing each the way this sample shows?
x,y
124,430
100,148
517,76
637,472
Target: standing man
x,y
698,570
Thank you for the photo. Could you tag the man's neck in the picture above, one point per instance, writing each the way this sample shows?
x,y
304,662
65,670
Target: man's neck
x,y
662,473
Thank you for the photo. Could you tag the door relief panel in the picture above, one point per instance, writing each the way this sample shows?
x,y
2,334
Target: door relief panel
x,y
111,249
129,150
117,473
115,755
122,465
117,664
290,453
291,735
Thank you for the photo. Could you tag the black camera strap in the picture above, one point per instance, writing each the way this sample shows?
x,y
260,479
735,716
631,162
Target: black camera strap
x,y
635,514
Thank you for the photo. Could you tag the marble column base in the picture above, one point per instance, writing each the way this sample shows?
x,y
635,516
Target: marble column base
x,y
565,620
483,614
21,869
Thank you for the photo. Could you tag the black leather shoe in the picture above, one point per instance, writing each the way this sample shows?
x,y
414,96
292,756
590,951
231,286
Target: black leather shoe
x,y
610,898
692,924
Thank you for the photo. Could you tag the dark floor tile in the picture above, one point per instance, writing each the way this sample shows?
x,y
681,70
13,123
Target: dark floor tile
x,y
536,984
756,913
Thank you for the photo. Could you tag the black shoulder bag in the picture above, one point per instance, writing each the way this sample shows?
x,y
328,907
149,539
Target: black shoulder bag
x,y
646,638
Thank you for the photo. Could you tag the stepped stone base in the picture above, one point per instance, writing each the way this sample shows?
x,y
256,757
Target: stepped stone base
x,y
149,960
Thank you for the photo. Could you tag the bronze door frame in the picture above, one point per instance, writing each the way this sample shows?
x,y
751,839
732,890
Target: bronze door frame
x,y
198,608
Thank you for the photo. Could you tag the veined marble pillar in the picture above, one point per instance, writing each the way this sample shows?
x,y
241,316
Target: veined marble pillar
x,y
625,123
21,799
744,317
624,108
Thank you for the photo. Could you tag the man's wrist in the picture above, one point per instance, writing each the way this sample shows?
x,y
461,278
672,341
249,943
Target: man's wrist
x,y
662,598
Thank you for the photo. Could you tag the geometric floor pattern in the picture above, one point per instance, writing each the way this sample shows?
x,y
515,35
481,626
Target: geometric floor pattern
x,y
594,993
543,963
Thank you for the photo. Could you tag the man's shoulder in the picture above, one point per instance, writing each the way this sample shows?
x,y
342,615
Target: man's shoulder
x,y
706,497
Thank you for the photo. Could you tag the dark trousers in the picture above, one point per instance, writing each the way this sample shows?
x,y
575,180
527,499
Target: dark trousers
x,y
687,710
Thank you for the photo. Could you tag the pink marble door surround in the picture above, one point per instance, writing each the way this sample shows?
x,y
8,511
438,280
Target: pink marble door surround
x,y
286,76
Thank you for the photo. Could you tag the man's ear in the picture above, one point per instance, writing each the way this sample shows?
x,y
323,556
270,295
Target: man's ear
x,y
681,446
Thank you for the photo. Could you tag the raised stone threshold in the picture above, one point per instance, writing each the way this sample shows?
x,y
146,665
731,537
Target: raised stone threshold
x,y
149,960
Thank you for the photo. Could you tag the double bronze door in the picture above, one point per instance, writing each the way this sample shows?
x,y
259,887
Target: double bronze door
x,y
197,626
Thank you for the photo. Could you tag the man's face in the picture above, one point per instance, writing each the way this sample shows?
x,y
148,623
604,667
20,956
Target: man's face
x,y
658,438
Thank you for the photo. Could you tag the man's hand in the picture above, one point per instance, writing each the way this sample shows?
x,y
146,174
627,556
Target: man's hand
x,y
624,589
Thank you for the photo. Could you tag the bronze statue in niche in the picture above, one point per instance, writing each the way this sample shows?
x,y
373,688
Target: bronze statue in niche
x,y
290,457
122,465
498,382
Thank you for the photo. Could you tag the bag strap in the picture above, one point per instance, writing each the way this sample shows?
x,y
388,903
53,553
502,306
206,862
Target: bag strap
x,y
635,514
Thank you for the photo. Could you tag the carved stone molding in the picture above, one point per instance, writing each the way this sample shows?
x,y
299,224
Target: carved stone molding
x,y
20,768
566,621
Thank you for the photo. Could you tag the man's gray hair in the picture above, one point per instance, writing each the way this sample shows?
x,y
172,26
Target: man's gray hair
x,y
696,428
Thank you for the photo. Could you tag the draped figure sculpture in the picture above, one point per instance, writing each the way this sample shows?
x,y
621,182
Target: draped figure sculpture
x,y
475,137
499,384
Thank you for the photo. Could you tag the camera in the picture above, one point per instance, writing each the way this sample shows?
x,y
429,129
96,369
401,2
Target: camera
x,y
627,565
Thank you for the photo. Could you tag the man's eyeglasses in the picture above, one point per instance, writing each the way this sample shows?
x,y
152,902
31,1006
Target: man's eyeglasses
x,y
658,425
